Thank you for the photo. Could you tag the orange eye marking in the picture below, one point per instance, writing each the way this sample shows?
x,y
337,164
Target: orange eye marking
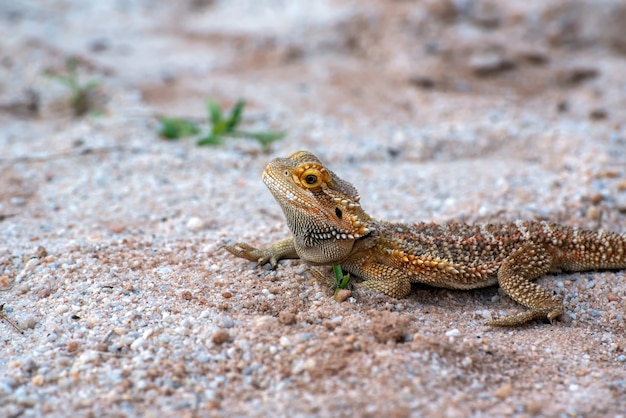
x,y
311,176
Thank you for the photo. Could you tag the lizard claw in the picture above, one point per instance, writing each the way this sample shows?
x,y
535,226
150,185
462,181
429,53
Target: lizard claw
x,y
260,255
552,316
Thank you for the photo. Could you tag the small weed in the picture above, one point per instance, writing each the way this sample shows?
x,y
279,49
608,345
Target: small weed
x,y
221,127
81,95
175,128
341,280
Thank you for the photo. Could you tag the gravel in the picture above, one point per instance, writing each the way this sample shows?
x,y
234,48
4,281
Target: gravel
x,y
113,257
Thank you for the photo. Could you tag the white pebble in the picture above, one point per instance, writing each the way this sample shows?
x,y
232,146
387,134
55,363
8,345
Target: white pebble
x,y
194,223
87,357
61,309
225,322
138,343
119,330
453,333
284,341
486,314
31,264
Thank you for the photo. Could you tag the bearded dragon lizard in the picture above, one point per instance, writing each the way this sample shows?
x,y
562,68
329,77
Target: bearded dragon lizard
x,y
329,227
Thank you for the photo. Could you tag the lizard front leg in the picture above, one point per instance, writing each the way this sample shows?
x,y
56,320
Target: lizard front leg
x,y
280,250
386,279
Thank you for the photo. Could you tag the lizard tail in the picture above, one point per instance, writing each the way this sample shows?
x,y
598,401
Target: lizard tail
x,y
590,250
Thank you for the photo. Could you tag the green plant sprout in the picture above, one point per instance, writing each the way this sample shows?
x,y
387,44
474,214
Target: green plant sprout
x,y
221,127
81,95
341,280
175,128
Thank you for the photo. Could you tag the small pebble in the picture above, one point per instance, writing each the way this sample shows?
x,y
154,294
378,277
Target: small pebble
x,y
138,343
576,74
5,282
119,330
225,322
489,63
306,336
18,201
38,380
41,252
220,337
195,224
61,309
486,314
286,318
594,213
596,198
116,228
453,333
598,114
534,407
343,295
504,391
71,346
30,322
32,263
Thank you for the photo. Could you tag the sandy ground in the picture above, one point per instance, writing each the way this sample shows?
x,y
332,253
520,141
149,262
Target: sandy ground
x,y
435,110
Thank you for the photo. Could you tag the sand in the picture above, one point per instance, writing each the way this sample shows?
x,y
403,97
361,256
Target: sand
x,y
479,111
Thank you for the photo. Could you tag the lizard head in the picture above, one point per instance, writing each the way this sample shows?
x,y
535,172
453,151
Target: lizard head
x,y
319,206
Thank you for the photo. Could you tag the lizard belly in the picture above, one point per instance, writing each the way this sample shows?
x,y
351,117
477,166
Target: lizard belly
x,y
441,272
452,281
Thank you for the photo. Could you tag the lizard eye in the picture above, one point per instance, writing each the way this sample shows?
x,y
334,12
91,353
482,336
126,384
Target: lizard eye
x,y
311,178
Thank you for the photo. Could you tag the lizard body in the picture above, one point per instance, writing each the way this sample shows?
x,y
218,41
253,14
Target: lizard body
x,y
329,227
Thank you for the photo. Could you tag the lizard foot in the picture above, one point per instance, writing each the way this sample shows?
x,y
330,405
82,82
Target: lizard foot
x,y
260,255
524,317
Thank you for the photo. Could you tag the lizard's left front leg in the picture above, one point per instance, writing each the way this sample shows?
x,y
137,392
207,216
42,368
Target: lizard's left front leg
x,y
386,279
278,251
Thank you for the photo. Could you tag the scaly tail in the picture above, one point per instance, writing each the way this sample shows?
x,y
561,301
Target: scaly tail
x,y
583,250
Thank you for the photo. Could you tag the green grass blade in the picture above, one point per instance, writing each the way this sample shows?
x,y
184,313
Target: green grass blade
x,y
235,116
341,280
210,140
215,112
176,128
265,138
